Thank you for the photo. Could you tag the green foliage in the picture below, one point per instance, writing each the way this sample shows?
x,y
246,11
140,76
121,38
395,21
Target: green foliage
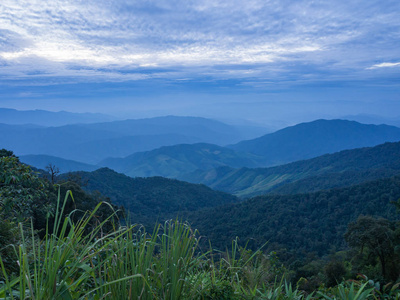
x,y
150,199
298,224
129,263
335,271
378,238
6,153
22,193
349,291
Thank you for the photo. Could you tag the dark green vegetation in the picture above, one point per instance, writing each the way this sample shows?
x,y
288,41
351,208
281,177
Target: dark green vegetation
x,y
87,254
27,198
301,223
316,138
151,199
64,165
25,195
340,169
173,161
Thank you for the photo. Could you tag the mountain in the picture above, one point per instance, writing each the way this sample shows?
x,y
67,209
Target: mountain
x,y
150,199
64,165
307,140
204,130
373,119
301,223
91,143
340,169
49,118
173,161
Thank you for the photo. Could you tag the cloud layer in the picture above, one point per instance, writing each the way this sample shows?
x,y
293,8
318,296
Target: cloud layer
x,y
251,41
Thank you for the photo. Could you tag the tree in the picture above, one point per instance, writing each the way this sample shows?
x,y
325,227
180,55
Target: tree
x,y
377,236
53,170
6,153
22,193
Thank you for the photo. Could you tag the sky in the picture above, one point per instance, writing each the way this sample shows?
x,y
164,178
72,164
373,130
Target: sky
x,y
263,61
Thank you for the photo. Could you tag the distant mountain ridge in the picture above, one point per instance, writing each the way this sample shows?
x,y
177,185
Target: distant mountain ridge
x,y
312,139
64,165
49,118
90,143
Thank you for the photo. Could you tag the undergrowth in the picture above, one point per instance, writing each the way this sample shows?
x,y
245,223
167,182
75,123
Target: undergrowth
x,y
79,260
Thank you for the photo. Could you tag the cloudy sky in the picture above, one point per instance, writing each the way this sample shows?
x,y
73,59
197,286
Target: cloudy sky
x,y
254,60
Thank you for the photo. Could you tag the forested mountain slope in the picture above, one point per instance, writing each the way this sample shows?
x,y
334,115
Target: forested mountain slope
x,y
150,199
331,170
173,161
299,223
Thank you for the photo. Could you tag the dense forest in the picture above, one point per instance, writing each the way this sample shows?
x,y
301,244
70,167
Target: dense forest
x,y
302,223
291,245
147,200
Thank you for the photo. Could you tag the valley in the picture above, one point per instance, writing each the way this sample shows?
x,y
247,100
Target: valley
x,y
331,174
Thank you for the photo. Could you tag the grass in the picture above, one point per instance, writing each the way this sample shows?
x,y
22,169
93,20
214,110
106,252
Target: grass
x,y
81,261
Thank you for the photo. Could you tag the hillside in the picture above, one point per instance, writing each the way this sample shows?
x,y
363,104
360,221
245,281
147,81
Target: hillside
x,y
173,161
308,140
301,223
64,165
331,170
151,199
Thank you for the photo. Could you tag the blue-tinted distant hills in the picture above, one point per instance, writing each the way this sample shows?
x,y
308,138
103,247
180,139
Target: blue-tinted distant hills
x,y
198,162
64,165
312,139
373,119
49,118
91,143
165,137
173,161
202,129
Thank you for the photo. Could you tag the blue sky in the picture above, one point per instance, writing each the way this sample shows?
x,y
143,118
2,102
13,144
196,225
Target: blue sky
x,y
255,60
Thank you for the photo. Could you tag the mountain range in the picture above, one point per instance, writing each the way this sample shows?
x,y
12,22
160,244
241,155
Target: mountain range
x,y
49,118
285,145
327,171
312,139
91,143
222,167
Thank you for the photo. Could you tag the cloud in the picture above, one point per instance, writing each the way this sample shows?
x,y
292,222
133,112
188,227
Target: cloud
x,y
385,65
136,40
